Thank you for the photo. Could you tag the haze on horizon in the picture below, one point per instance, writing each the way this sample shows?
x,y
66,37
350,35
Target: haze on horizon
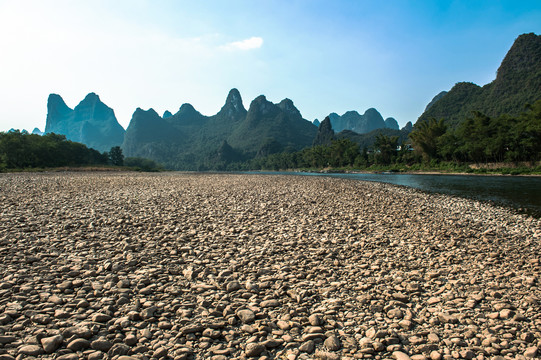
x,y
325,56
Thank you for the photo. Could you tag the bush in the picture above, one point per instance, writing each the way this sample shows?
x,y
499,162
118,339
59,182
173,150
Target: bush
x,y
142,164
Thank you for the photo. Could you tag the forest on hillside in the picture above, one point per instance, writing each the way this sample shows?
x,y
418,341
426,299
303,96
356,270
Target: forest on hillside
x,y
478,139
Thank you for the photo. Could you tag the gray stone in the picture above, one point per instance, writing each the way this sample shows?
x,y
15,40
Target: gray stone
x,y
78,345
246,316
96,355
6,339
308,347
100,318
233,286
254,349
31,350
78,331
68,357
118,349
190,329
130,340
51,343
332,343
160,353
101,344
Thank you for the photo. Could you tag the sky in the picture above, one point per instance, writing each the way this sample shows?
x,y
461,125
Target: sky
x,y
326,56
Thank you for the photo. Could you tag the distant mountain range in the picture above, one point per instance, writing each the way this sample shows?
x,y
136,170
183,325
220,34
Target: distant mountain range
x,y
91,122
517,83
361,124
371,120
188,140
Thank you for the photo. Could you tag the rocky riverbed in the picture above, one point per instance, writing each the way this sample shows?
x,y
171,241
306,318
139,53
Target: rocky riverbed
x,y
181,266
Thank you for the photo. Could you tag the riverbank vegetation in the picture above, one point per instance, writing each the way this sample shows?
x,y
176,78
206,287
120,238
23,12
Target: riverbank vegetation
x,y
480,144
501,145
21,151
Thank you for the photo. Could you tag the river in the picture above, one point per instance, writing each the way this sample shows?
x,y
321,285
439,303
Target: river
x,y
519,192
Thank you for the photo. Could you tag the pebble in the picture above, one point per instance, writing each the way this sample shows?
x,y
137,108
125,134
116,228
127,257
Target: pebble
x,y
31,350
233,286
68,357
6,339
101,318
179,266
160,353
270,303
254,349
78,345
531,352
308,347
50,344
332,343
246,316
101,344
399,355
315,320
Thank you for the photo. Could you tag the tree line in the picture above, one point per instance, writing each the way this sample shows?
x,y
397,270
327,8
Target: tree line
x,y
21,150
477,139
340,153
481,139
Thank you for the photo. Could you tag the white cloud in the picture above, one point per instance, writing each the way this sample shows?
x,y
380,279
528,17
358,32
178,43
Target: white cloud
x,y
73,48
254,42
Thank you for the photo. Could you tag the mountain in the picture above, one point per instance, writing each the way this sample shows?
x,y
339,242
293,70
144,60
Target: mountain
x,y
517,83
435,99
280,122
391,123
361,124
408,127
91,122
189,140
316,122
325,133
147,127
37,131
367,140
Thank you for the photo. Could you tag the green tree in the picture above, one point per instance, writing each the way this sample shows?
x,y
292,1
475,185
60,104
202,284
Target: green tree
x,y
385,148
20,150
426,135
115,156
3,162
342,153
525,135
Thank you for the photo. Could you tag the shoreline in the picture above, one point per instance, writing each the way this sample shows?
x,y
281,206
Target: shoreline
x,y
415,173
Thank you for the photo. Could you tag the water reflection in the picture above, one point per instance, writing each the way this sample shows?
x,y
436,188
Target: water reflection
x,y
520,192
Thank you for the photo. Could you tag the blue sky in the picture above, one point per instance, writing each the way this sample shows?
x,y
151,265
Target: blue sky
x,y
327,56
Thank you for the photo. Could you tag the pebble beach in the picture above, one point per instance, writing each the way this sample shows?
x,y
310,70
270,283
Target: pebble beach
x,y
124,266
